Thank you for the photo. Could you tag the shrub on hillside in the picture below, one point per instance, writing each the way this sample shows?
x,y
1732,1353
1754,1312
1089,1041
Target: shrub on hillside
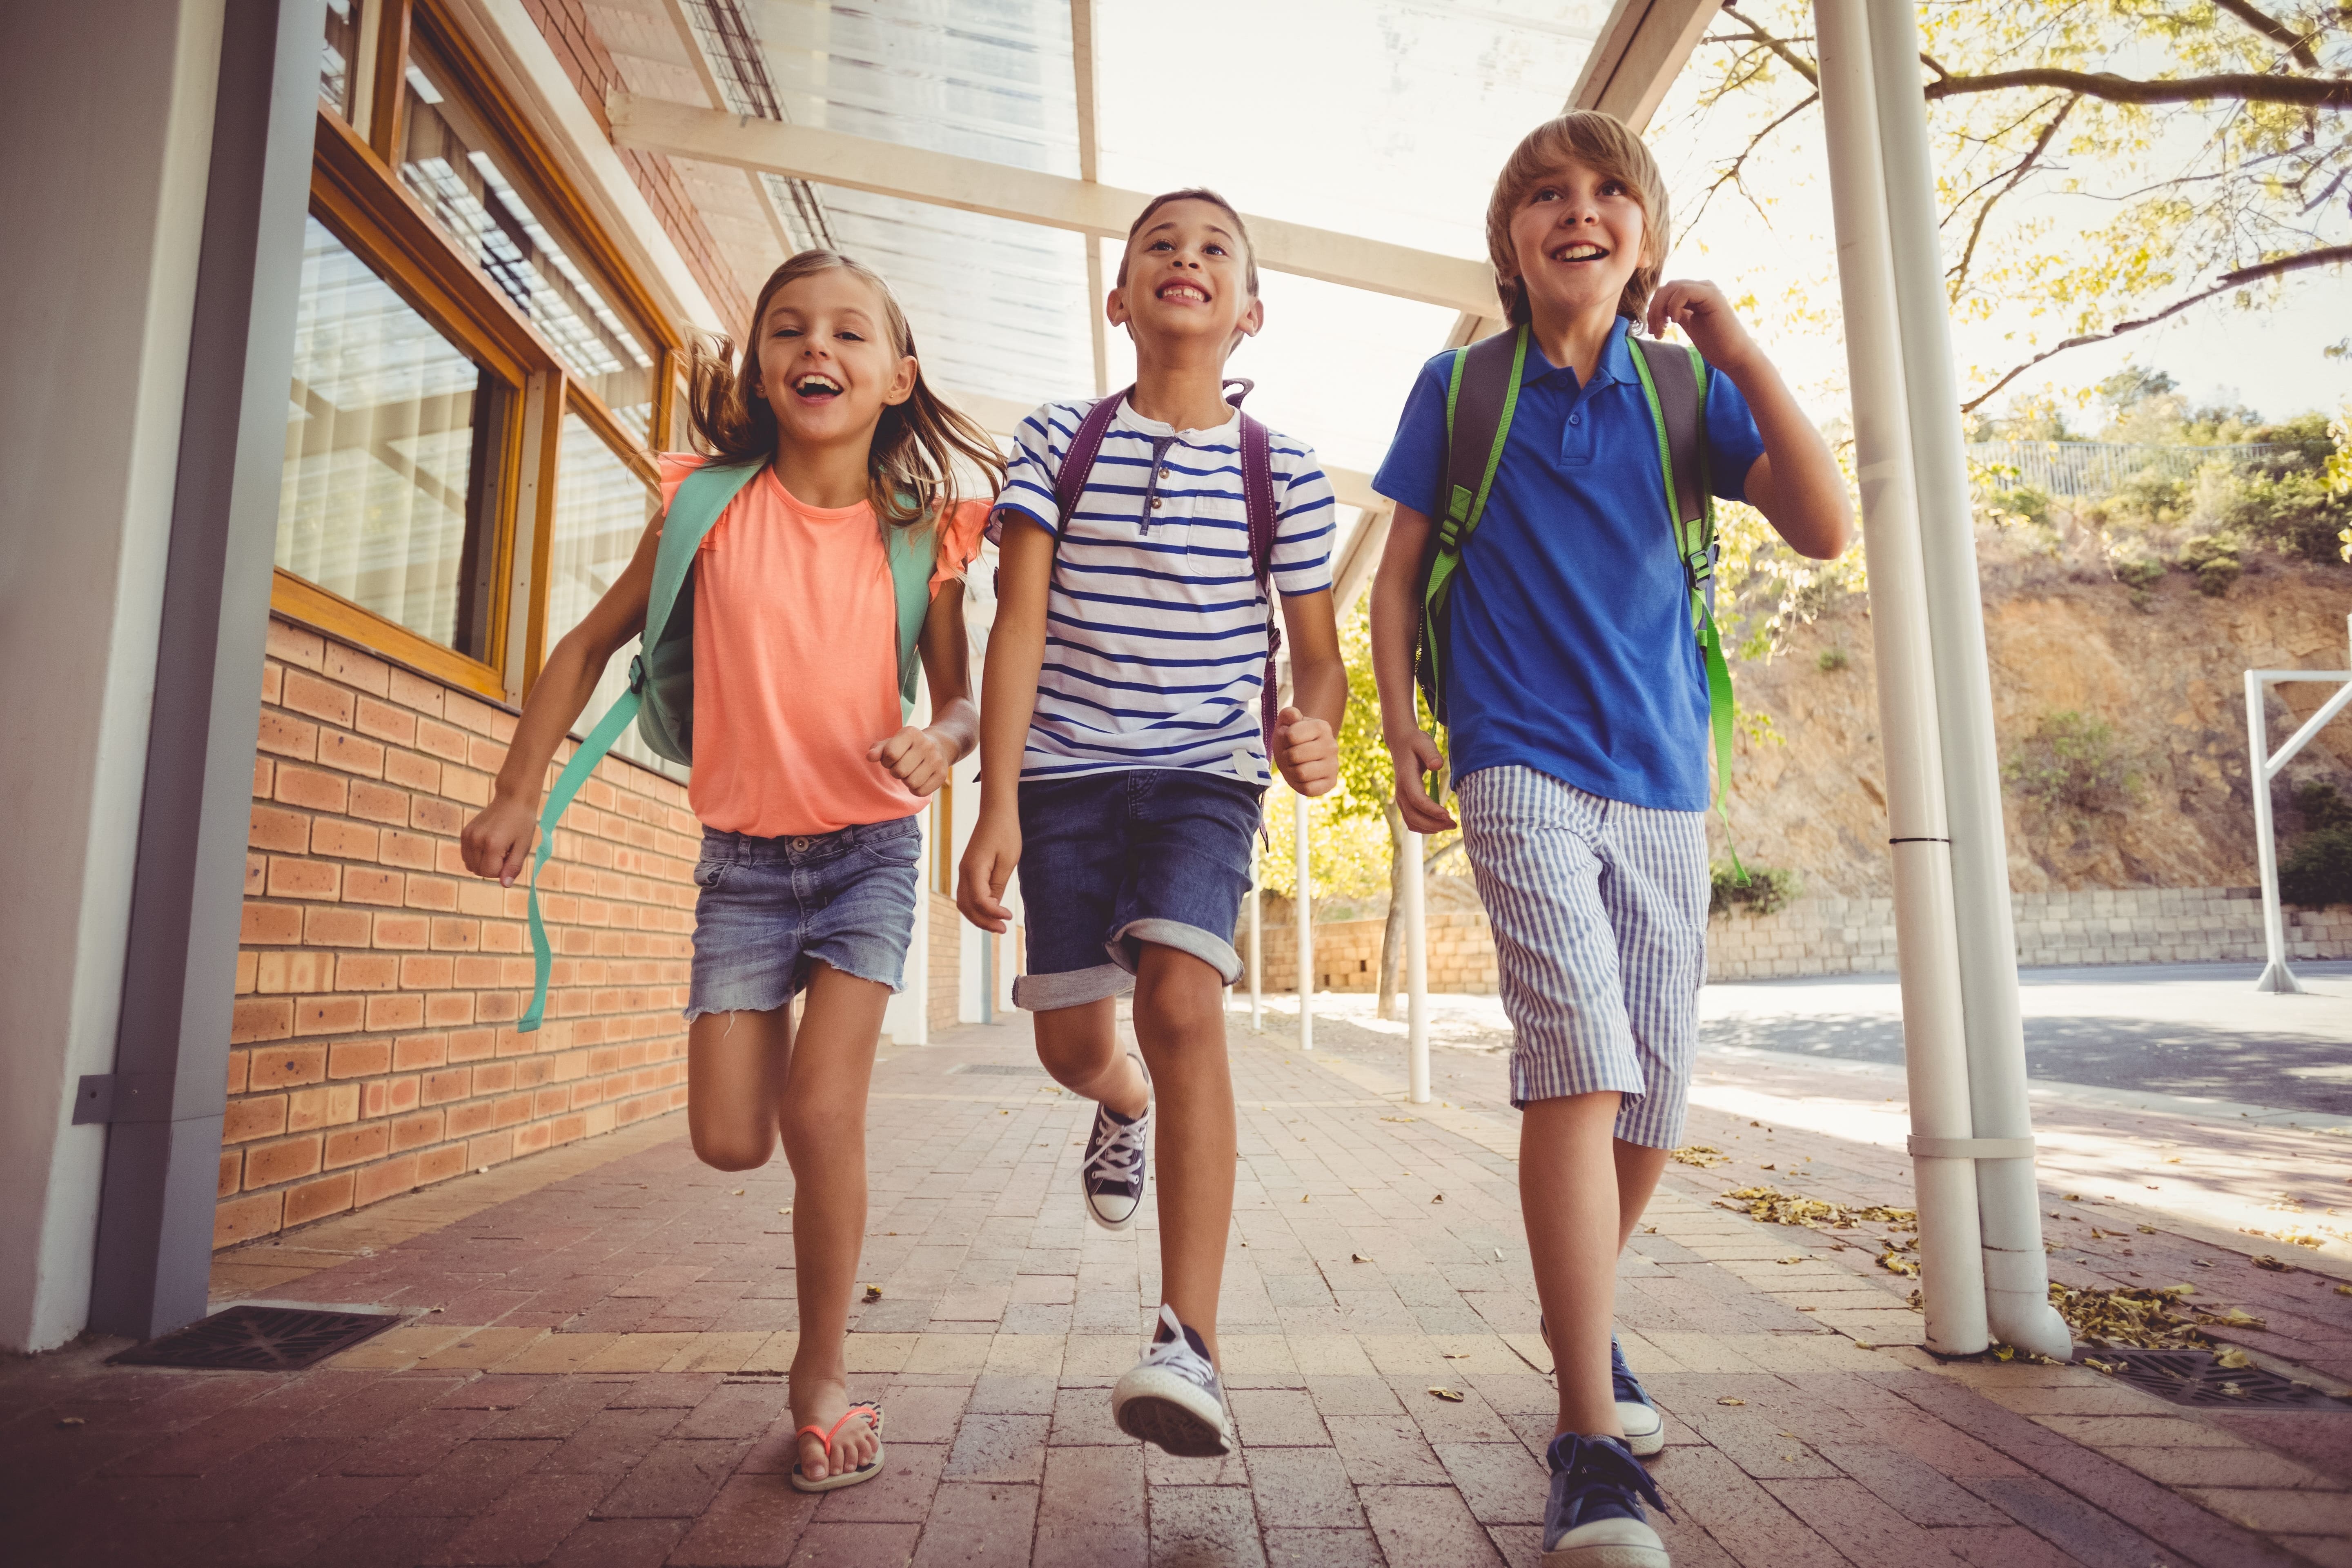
x,y
1766,889
2318,871
2070,762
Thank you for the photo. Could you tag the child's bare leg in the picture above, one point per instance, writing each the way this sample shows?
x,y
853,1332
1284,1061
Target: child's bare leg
x,y
1569,1198
823,1125
1079,1046
735,1067
1638,1170
1180,1020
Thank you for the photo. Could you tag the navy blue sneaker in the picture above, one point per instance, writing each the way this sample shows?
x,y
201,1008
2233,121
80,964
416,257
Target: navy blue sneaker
x,y
1593,1518
1645,1430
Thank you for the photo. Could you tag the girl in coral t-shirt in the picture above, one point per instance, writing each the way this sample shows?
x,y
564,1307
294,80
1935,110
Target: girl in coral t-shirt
x,y
805,782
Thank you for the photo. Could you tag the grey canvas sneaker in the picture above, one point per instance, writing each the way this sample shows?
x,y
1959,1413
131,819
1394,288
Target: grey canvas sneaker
x,y
1112,1174
1172,1398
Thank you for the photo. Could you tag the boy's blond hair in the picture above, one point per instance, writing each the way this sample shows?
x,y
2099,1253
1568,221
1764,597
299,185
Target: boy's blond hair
x,y
1607,146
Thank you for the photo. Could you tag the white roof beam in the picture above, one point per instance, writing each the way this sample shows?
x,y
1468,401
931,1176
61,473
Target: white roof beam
x,y
855,163
1642,48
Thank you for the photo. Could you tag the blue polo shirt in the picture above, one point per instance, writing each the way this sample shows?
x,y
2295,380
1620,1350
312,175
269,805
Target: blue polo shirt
x,y
1571,652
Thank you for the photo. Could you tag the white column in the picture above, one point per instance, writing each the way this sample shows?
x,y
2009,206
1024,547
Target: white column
x,y
1306,910
1935,1047
2276,976
1416,970
2017,1275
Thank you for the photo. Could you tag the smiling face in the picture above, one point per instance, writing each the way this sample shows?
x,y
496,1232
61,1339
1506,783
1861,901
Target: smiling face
x,y
828,364
1186,278
1578,236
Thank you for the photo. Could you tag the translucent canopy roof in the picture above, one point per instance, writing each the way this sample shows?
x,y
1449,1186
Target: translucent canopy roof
x,y
1381,117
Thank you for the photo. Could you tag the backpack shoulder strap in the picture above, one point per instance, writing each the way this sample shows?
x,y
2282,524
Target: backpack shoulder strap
x,y
1257,496
1078,460
693,512
1480,399
914,549
1674,377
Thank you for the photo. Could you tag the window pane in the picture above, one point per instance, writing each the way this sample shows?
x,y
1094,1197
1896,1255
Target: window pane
x,y
602,508
340,49
446,161
392,454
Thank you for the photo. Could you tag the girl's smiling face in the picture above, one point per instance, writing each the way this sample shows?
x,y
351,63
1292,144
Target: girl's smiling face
x,y
827,366
1578,236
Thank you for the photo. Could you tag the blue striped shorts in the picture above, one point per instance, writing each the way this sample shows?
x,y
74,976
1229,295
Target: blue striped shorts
x,y
1599,917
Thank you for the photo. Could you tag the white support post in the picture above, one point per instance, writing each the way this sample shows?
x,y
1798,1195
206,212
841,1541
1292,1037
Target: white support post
x,y
1416,970
2264,768
1306,911
1935,1049
2016,1273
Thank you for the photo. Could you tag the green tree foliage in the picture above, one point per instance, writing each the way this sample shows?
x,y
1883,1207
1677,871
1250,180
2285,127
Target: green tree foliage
x,y
2317,870
2070,763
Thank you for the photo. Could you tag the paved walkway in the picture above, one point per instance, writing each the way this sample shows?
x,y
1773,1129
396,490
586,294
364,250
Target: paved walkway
x,y
593,1375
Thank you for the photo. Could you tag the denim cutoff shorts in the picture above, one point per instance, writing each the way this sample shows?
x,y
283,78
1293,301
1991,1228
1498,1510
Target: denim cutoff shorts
x,y
1111,861
770,908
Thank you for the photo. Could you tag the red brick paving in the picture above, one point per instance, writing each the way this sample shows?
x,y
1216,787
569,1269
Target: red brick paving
x,y
599,1384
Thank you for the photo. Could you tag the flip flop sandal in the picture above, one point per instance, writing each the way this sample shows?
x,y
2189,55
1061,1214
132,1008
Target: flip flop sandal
x,y
836,1480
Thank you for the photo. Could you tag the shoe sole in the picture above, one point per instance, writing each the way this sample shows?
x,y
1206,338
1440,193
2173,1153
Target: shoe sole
x,y
1608,1554
1649,1442
1170,1414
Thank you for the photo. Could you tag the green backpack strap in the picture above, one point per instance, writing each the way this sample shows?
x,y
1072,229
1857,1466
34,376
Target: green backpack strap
x,y
1674,380
1481,396
693,512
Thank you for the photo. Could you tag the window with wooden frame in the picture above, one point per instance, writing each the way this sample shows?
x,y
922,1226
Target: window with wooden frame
x,y
479,383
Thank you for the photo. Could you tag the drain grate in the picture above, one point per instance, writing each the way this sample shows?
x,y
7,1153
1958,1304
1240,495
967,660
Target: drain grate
x,y
259,1339
2195,1377
1002,1070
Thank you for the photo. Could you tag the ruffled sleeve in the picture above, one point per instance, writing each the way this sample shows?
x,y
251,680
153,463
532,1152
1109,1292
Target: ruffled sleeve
x,y
959,538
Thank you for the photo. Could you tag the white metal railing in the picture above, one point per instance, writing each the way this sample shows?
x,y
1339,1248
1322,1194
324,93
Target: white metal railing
x,y
2267,766
2101,468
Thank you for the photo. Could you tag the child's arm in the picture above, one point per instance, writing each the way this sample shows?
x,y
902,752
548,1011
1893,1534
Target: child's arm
x,y
1305,733
921,759
498,841
1795,483
1396,618
1008,680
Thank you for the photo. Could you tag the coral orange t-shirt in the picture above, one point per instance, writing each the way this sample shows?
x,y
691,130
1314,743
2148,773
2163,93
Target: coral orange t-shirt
x,y
796,659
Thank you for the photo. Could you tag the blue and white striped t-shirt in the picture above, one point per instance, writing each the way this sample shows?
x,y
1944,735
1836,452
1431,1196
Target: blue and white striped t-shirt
x,y
1155,628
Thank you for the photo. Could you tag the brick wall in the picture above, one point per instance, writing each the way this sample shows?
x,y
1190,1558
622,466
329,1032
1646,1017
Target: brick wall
x,y
943,1000
373,1048
564,23
1856,936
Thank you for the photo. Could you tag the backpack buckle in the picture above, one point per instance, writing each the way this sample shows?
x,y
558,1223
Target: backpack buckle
x,y
638,673
1700,564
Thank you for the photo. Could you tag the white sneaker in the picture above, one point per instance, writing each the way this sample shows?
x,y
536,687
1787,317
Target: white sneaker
x,y
1645,1428
1172,1397
1111,1175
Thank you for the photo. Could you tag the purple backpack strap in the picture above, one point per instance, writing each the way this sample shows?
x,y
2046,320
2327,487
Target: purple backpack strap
x,y
1078,461
1257,491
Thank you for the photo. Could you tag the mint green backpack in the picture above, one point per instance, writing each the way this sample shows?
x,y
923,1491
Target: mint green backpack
x,y
661,673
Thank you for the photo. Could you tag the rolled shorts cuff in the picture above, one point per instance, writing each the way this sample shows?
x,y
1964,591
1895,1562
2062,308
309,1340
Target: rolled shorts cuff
x,y
756,1002
1206,946
1070,988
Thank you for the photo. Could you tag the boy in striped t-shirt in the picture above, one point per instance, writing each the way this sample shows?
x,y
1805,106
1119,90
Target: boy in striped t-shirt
x,y
1122,690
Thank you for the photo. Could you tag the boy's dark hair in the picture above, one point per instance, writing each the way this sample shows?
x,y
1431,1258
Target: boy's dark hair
x,y
1196,194
1601,142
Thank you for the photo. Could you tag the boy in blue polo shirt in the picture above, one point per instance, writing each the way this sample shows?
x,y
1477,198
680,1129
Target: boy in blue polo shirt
x,y
1577,702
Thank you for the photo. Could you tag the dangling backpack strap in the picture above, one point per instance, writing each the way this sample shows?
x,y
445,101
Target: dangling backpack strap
x,y
1481,396
661,683
1674,380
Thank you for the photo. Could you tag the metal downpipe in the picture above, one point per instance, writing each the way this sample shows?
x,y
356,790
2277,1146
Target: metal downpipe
x,y
1935,1049
2017,1275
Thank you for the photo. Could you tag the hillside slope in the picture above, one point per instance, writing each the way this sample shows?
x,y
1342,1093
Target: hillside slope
x,y
2164,669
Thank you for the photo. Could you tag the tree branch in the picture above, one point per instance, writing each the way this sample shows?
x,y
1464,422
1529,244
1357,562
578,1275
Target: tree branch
x,y
1789,57
2325,256
2309,93
2297,45
1959,274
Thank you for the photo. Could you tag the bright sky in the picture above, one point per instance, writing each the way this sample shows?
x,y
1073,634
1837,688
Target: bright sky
x,y
1391,120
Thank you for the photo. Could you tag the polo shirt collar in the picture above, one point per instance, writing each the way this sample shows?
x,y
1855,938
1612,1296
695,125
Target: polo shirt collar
x,y
1128,418
1616,359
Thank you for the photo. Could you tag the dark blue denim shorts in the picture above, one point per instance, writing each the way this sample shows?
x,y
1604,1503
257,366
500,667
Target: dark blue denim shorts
x,y
1111,861
770,908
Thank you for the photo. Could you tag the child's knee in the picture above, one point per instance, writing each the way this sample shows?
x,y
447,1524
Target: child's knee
x,y
1177,987
733,1149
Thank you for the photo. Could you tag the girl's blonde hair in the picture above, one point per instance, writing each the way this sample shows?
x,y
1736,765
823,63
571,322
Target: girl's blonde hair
x,y
911,469
1609,147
